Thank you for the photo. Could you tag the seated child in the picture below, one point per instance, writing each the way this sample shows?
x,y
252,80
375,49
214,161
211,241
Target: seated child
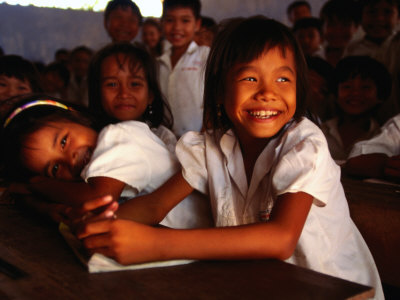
x,y
378,157
308,32
152,36
362,84
122,20
275,191
55,80
18,76
379,19
339,24
181,67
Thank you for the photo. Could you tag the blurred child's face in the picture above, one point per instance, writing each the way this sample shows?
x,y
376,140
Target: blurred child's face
x,y
180,26
122,25
52,82
204,37
80,63
309,40
12,86
338,33
357,96
125,94
261,95
299,12
59,149
150,35
379,20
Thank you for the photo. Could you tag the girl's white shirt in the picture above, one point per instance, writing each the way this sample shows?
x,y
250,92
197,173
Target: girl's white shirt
x,y
130,152
387,142
296,160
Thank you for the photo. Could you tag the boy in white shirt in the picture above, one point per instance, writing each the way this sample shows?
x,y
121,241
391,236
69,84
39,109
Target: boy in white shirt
x,y
182,65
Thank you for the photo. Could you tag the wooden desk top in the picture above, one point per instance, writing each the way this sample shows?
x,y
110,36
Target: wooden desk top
x,y
53,272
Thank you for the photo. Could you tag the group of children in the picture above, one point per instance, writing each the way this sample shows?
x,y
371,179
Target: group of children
x,y
251,175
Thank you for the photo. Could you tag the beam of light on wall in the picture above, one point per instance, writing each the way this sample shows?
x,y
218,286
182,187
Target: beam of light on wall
x,y
148,8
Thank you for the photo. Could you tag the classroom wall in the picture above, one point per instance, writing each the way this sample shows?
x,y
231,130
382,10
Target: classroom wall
x,y
36,33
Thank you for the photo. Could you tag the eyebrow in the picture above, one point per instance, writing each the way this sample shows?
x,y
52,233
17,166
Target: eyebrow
x,y
250,68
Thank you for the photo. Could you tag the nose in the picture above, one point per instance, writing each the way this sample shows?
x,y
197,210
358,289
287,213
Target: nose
x,y
265,92
123,90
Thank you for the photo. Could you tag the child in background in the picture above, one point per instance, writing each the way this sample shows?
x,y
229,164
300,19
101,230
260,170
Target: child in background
x,y
339,24
18,76
57,146
208,29
275,191
379,19
122,20
77,91
321,97
308,33
182,65
362,84
118,76
297,10
55,80
378,157
152,36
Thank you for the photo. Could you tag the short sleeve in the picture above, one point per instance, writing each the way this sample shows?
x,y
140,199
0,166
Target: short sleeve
x,y
307,167
190,151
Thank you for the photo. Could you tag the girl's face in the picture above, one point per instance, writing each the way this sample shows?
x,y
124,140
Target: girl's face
x,y
379,20
122,25
357,96
125,94
12,86
261,95
59,149
150,35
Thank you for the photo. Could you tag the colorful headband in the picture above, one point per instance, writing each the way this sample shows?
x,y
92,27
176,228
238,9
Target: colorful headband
x,y
31,104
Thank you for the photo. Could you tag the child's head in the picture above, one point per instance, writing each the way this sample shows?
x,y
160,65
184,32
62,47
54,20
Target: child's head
x,y
257,71
181,20
55,77
308,32
340,19
46,137
122,20
152,35
208,30
379,18
361,84
17,76
79,61
123,86
297,10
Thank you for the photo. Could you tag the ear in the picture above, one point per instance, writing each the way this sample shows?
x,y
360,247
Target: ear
x,y
197,25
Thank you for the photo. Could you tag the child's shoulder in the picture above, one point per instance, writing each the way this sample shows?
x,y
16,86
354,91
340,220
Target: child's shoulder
x,y
132,129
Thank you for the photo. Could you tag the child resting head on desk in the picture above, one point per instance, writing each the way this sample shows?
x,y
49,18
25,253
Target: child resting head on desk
x,y
275,191
56,146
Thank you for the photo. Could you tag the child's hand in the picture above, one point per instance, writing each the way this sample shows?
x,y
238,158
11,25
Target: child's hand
x,y
392,168
125,241
91,211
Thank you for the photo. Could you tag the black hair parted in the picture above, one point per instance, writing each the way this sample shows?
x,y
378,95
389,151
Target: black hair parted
x,y
241,40
114,4
365,67
137,57
194,5
28,121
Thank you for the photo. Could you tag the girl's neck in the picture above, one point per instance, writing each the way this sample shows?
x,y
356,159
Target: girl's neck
x,y
177,53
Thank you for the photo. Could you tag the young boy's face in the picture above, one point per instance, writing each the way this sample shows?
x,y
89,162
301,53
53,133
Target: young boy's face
x,y
180,26
357,95
338,33
379,20
12,86
309,39
122,24
299,12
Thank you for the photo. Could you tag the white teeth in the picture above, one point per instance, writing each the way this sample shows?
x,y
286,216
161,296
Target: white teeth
x,y
263,113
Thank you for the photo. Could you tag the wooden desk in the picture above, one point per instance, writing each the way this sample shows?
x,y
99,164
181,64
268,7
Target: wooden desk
x,y
375,209
34,245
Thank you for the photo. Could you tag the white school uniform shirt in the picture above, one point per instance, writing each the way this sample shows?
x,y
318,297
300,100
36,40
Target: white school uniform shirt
x,y
296,160
387,142
130,152
183,86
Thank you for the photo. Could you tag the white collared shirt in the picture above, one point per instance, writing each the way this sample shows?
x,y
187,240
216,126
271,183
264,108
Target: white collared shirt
x,y
297,160
183,86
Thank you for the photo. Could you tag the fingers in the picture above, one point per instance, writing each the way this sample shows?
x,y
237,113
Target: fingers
x,y
96,203
93,228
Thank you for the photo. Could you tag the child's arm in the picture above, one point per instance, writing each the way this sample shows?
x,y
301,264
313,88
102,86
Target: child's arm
x,y
76,192
367,165
130,242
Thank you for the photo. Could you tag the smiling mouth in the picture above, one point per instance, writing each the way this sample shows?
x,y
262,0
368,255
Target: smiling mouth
x,y
263,114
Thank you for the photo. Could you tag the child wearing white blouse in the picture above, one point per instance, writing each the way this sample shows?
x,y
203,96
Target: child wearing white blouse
x,y
274,189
